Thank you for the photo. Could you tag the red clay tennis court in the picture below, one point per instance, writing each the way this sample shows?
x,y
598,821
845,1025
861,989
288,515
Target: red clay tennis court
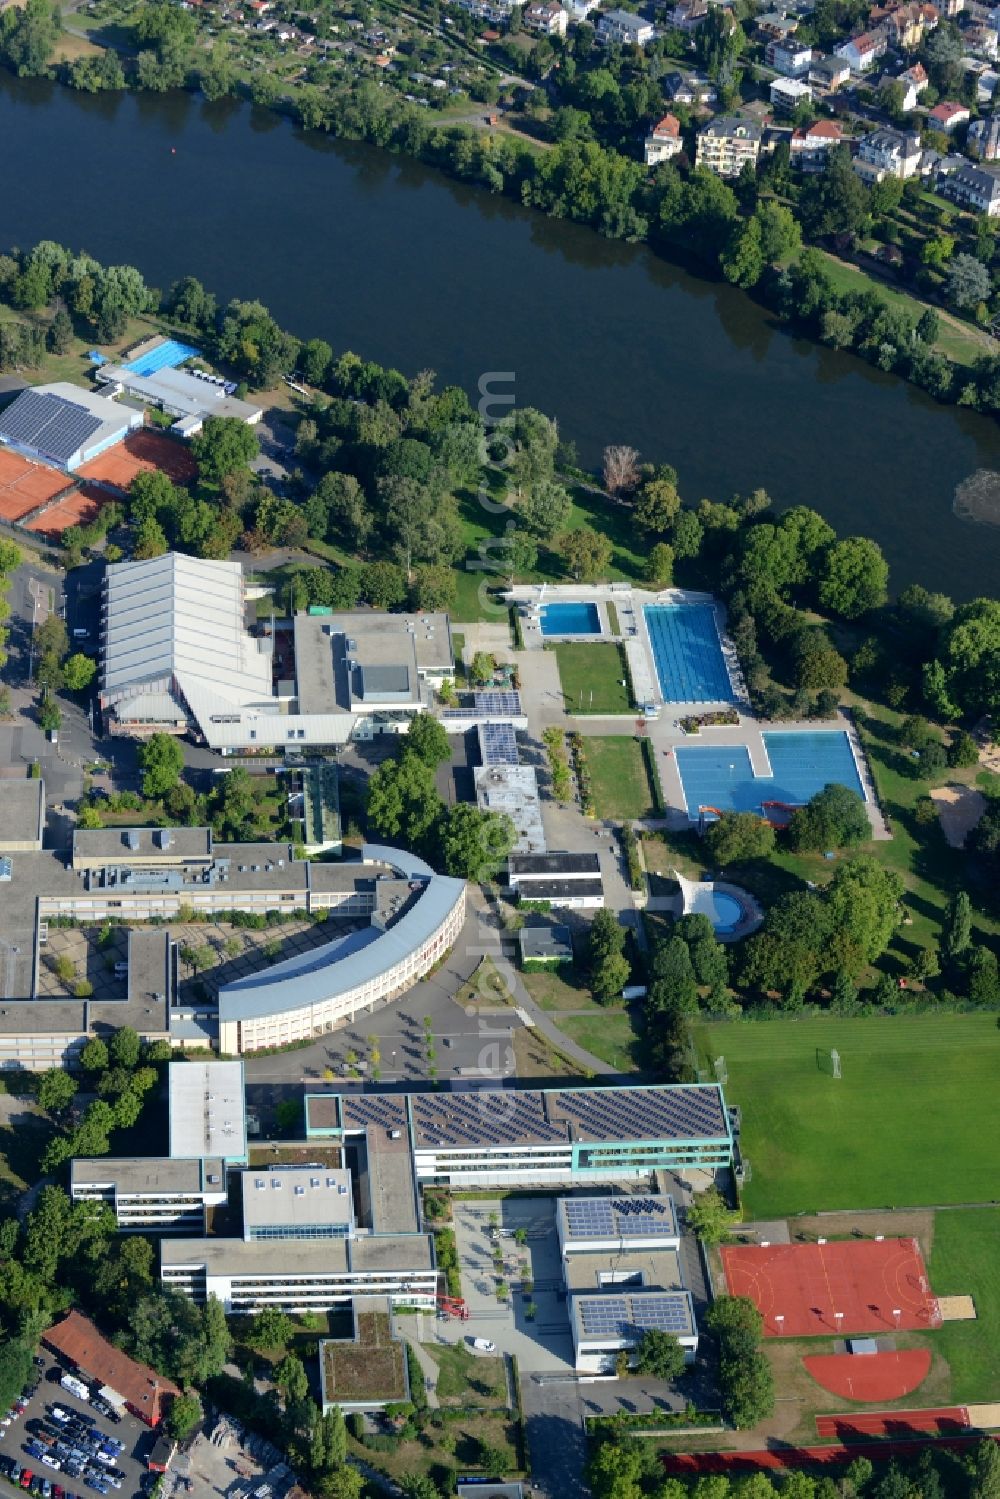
x,y
142,452
873,1376
850,1286
76,509
770,1459
950,1421
24,485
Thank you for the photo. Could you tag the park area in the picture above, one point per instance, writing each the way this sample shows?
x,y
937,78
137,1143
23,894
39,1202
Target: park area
x,y
911,1120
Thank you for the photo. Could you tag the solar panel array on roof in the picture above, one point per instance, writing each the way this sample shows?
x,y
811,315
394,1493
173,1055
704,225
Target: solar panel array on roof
x,y
623,1316
505,703
48,423
499,744
381,1110
614,1218
605,1114
492,1117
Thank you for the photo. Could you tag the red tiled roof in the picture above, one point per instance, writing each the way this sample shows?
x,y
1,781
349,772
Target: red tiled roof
x,y
947,110
79,1342
669,125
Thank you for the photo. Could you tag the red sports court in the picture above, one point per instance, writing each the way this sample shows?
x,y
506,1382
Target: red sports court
x,y
851,1286
874,1376
950,1421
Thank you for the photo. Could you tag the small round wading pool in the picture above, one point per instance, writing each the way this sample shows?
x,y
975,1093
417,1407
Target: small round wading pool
x,y
727,913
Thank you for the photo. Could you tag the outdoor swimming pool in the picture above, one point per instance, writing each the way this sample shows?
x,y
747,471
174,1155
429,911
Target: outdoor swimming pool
x,y
168,355
724,911
802,764
571,619
688,653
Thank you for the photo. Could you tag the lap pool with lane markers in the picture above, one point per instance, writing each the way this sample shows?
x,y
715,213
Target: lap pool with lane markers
x,y
169,355
802,764
688,653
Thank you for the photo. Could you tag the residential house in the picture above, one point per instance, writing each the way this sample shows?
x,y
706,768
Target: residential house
x,y
810,145
948,115
905,25
788,93
623,28
695,88
828,74
888,153
862,52
983,140
548,17
664,141
986,85
687,15
952,8
788,57
727,143
981,41
496,12
579,10
973,187
772,26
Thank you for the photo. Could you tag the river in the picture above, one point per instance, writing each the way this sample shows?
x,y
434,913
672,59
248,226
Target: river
x,y
393,260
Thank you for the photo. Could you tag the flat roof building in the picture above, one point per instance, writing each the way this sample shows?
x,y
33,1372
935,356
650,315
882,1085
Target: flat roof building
x,y
588,1224
545,944
22,820
207,1111
152,1194
605,1325
179,848
513,790
64,426
562,879
307,1202
190,397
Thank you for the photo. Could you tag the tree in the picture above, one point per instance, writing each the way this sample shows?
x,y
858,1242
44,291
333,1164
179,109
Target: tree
x,y
834,818
482,668
403,801
223,445
673,985
545,507
150,540
660,565
981,978
742,260
659,1355
270,1328
609,968
834,201
161,760
56,1090
586,552
687,535
964,676
28,37
291,1379
853,577
49,713
736,837
78,672
956,929
183,1416
94,1056
315,358
620,469
125,1048
474,843
342,1483
788,955
15,1369
963,751
492,1460
657,503
780,234
968,282
428,739
862,903
434,587
710,1217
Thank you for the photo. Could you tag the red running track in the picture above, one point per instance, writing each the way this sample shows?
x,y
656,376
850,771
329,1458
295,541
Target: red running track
x,y
777,1458
866,1280
951,1420
871,1377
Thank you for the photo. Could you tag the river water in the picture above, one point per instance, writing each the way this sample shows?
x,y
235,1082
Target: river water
x,y
393,260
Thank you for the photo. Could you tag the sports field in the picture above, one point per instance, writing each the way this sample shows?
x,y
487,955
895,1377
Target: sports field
x,y
911,1121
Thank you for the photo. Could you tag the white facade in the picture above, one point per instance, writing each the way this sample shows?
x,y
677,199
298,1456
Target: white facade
x,y
151,1195
622,28
788,93
888,153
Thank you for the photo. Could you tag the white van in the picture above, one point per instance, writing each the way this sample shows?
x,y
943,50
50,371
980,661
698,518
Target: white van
x,y
483,1345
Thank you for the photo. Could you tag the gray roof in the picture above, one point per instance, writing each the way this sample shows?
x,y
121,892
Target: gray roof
x,y
147,1175
565,864
207,1115
118,845
321,975
23,817
545,942
384,684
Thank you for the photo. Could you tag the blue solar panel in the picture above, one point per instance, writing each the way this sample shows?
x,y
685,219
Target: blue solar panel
x,y
51,425
503,702
619,1218
624,1316
498,743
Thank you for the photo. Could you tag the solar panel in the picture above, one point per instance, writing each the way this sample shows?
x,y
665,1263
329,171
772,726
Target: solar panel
x,y
616,1317
56,427
502,701
498,743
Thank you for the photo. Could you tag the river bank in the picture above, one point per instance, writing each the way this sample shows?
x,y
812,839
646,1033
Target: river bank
x,y
379,254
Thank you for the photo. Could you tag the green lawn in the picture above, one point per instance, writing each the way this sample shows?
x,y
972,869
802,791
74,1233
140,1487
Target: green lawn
x,y
965,1260
912,1121
610,1035
619,778
592,676
468,1379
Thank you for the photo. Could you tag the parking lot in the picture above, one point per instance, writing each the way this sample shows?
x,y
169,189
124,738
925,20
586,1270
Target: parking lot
x,y
36,1422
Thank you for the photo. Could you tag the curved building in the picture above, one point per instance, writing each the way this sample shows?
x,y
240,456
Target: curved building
x,y
417,917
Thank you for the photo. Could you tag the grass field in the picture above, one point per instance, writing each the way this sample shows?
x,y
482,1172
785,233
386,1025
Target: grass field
x,y
911,1122
468,1379
610,1035
966,1261
592,677
619,778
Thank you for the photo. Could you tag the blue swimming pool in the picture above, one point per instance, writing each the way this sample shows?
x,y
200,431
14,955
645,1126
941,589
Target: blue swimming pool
x,y
802,764
688,653
571,619
724,911
166,356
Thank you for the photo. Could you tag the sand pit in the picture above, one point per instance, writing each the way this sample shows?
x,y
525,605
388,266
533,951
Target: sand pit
x,y
959,809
